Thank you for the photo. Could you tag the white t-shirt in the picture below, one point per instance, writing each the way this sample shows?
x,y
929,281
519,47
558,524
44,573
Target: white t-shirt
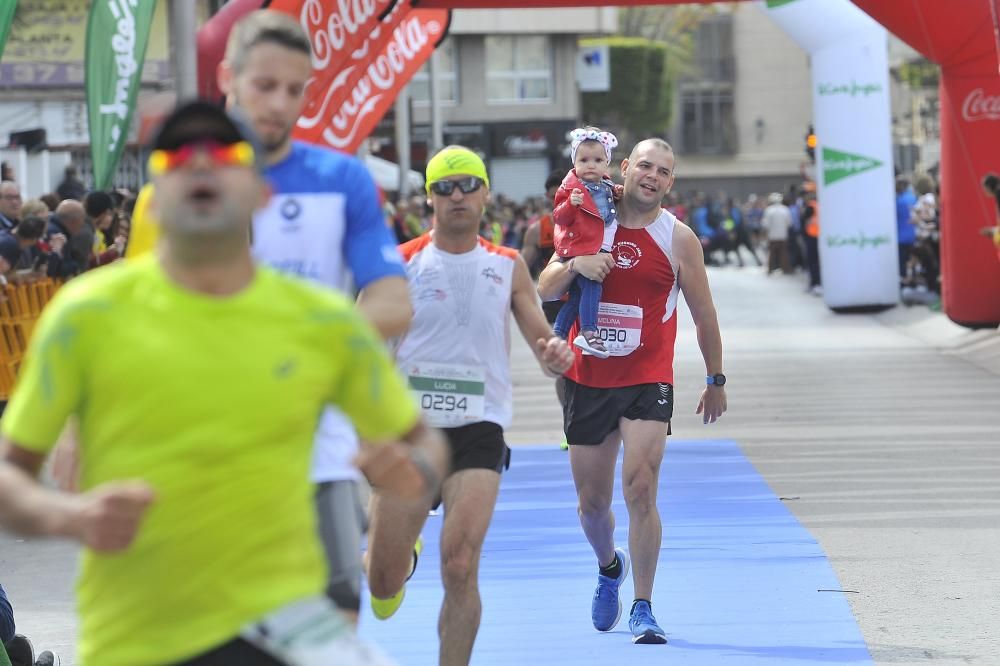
x,y
324,223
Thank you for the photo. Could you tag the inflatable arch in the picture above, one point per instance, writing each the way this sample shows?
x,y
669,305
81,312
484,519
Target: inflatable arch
x,y
854,160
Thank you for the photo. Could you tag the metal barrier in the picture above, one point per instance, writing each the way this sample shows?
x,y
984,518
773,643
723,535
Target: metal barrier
x,y
20,307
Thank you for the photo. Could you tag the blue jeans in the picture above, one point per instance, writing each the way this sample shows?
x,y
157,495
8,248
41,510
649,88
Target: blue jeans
x,y
584,298
6,618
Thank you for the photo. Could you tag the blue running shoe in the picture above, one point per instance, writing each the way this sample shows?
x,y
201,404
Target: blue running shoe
x,y
643,625
606,609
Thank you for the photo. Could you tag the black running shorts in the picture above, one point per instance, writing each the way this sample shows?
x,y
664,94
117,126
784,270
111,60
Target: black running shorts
x,y
478,446
591,414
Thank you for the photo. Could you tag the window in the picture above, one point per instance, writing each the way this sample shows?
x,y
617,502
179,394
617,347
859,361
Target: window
x,y
714,50
518,68
420,84
707,123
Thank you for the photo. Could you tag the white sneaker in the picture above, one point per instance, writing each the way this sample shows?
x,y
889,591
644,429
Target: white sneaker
x,y
592,347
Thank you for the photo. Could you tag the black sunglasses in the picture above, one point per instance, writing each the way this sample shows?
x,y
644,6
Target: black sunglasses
x,y
446,187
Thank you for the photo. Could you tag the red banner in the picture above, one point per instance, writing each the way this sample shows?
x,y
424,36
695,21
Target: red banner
x,y
336,28
212,38
326,91
364,90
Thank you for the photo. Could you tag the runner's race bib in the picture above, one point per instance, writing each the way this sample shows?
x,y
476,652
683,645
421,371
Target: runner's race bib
x,y
619,327
449,395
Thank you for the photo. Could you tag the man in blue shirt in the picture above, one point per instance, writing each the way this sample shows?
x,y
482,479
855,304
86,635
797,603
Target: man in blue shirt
x,y
325,223
906,231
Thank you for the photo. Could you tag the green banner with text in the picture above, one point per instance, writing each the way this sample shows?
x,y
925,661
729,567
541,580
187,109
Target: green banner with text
x,y
117,35
7,11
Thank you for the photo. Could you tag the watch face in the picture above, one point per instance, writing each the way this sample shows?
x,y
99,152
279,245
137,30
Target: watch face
x,y
720,379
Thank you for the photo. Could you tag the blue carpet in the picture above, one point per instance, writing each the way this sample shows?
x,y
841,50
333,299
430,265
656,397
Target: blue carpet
x,y
739,581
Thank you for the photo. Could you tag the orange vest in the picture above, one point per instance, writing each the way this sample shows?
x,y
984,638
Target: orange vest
x,y
812,226
546,231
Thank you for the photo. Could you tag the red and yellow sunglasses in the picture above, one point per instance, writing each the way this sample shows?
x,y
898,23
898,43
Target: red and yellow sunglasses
x,y
222,154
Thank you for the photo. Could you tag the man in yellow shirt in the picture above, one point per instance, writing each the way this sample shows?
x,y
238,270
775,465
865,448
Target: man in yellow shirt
x,y
196,511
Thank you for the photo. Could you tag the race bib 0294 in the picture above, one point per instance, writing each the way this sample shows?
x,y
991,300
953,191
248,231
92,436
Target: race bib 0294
x,y
449,395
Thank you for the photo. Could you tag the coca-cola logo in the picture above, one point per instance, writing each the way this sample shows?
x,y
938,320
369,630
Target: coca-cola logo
x,y
980,106
345,68
329,33
409,42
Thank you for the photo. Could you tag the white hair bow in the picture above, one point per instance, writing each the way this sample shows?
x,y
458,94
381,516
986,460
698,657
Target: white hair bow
x,y
578,136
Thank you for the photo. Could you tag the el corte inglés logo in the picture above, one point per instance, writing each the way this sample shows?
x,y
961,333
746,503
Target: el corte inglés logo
x,y
838,165
852,89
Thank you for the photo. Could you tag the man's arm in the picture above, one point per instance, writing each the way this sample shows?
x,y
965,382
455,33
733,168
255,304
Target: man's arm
x,y
529,246
694,284
106,518
552,352
385,303
558,275
412,468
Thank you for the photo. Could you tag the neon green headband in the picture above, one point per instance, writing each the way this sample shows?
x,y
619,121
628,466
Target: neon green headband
x,y
453,162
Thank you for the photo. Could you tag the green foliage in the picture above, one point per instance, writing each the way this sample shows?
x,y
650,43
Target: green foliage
x,y
640,97
920,73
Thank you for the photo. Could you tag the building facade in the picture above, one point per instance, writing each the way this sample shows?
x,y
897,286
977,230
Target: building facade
x,y
508,90
744,109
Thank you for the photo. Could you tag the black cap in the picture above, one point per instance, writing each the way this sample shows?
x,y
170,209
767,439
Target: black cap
x,y
97,202
198,120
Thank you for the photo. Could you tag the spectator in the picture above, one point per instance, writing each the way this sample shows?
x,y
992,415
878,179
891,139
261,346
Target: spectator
x,y
71,186
924,269
71,240
906,232
27,234
810,236
100,209
10,204
33,208
777,222
10,252
51,200
991,186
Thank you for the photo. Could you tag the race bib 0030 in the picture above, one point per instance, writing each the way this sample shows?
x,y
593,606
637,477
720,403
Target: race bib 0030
x,y
619,327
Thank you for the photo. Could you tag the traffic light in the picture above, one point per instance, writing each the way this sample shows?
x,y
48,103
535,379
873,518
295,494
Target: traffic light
x,y
811,145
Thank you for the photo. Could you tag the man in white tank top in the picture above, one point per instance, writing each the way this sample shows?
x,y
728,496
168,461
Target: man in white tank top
x,y
456,356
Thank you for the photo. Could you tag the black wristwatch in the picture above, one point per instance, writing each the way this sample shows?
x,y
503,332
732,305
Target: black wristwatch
x,y
716,380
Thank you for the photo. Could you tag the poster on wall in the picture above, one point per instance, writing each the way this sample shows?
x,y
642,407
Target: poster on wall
x,y
45,49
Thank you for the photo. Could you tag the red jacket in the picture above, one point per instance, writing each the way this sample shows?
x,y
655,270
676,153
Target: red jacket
x,y
579,229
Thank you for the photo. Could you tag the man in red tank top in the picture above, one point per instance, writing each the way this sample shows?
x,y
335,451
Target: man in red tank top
x,y
629,396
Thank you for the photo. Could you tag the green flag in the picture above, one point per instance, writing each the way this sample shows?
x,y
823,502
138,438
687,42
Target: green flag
x,y
7,10
117,34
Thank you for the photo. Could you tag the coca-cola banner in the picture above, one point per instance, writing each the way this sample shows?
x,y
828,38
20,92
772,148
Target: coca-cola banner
x,y
336,28
327,90
343,114
970,125
859,257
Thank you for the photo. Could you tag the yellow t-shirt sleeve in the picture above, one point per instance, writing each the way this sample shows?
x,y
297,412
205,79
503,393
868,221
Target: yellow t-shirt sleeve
x,y
145,230
50,383
371,391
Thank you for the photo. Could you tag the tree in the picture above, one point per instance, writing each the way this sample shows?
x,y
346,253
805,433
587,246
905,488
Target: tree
x,y
653,48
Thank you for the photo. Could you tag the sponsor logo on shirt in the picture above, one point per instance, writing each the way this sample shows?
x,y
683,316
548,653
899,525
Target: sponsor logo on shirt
x,y
431,295
290,211
626,254
491,274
